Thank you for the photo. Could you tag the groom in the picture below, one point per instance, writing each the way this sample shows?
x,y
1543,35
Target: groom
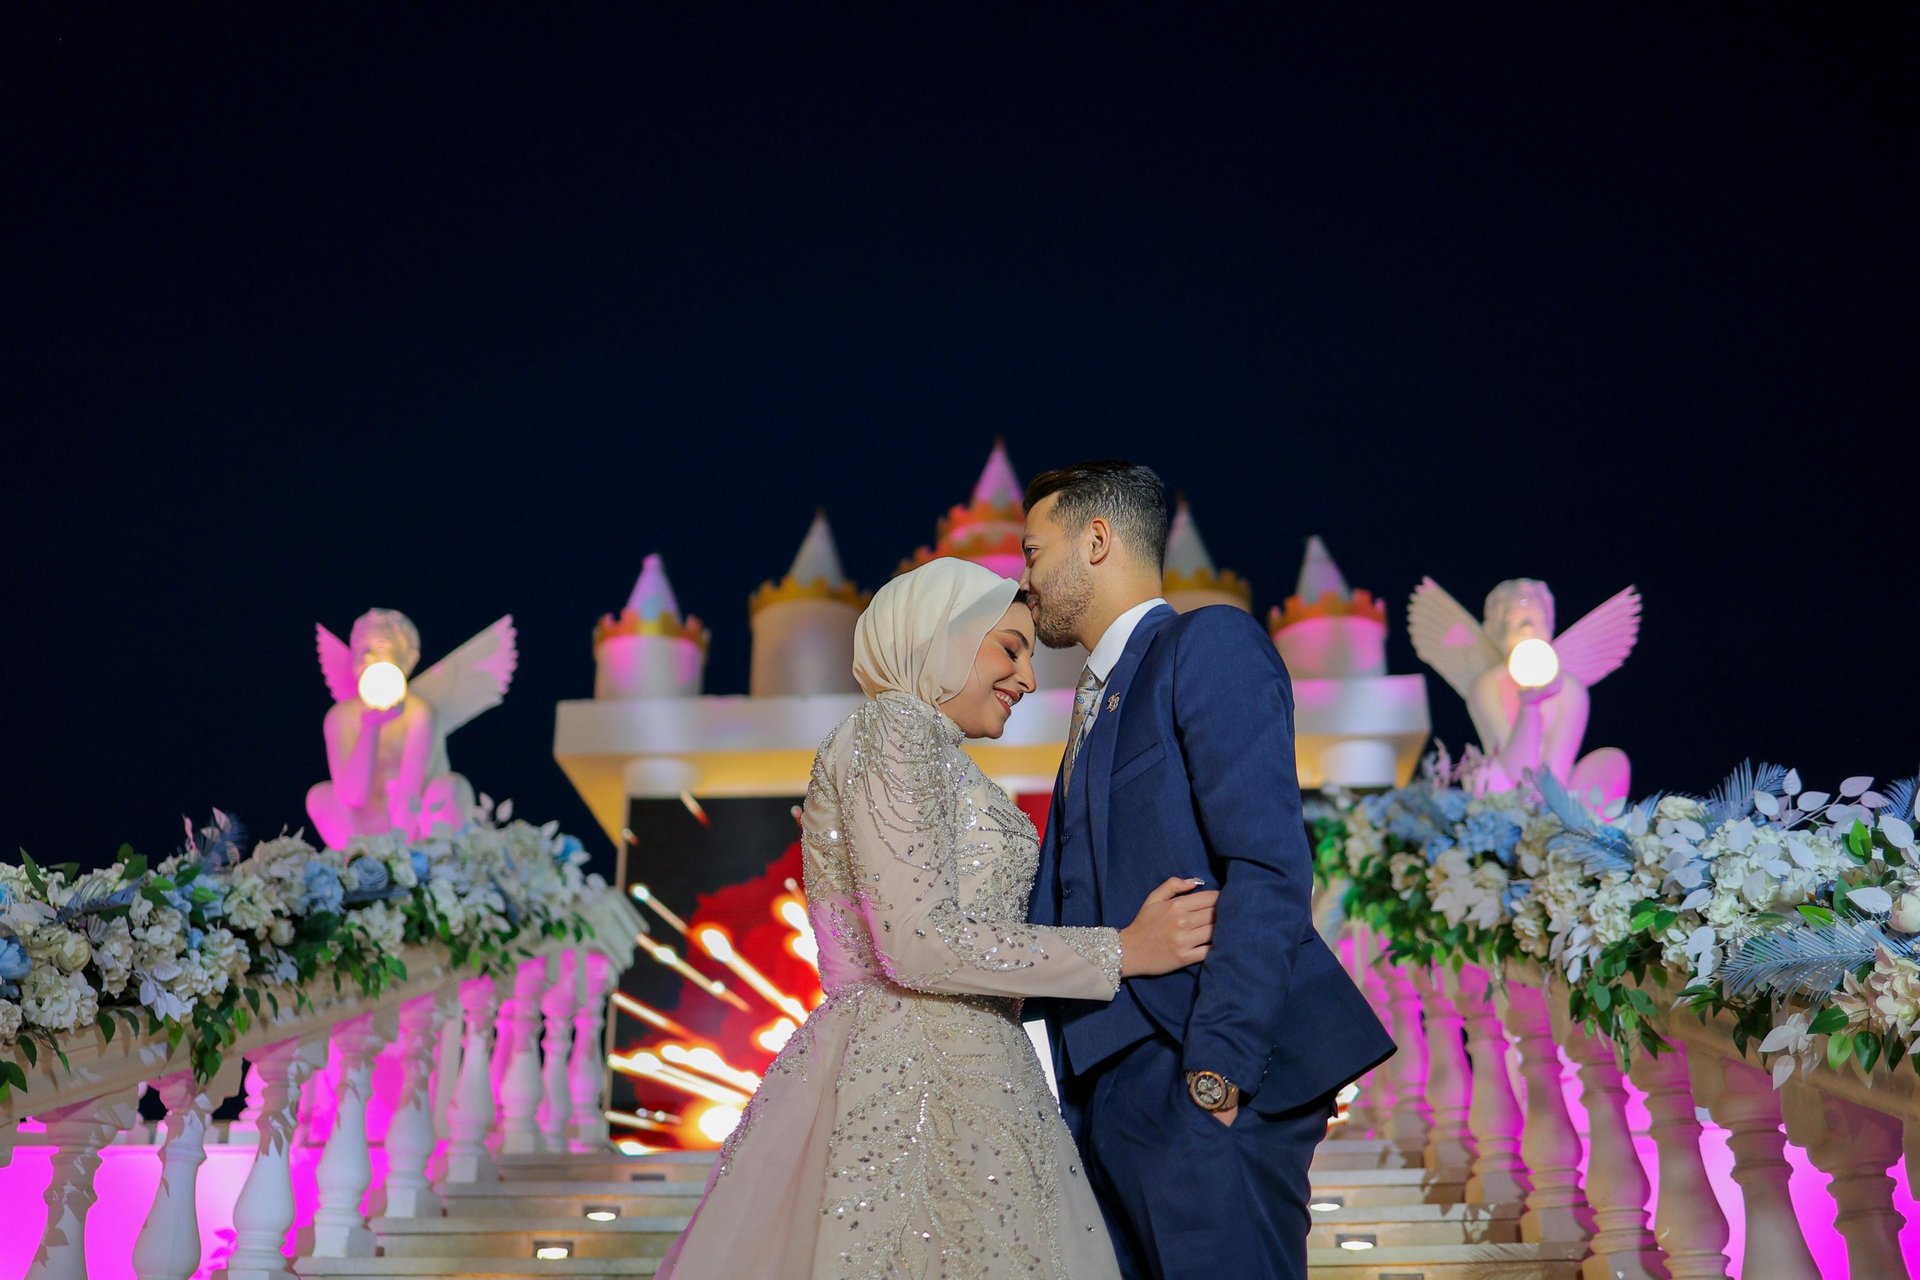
x,y
1197,1097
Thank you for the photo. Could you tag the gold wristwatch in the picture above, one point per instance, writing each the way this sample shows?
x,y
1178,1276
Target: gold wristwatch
x,y
1212,1091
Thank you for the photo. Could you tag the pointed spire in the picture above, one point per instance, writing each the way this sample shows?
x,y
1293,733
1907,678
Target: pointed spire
x,y
818,559
1186,550
998,486
652,597
1319,575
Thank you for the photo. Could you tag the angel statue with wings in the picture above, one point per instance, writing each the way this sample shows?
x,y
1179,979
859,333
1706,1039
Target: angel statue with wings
x,y
1526,687
387,737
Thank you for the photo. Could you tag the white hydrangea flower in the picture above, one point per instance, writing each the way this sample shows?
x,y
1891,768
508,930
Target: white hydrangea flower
x,y
10,1020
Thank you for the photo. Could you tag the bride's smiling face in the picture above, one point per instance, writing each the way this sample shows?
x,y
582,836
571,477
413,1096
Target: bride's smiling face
x,y
1002,675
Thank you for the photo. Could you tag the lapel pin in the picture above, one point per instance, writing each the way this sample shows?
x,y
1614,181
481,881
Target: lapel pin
x,y
1113,704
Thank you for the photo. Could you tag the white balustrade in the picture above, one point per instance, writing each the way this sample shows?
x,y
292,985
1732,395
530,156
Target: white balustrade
x,y
1449,1150
77,1132
1412,1118
410,1135
470,1120
264,1212
1855,1147
169,1243
1493,1115
556,1008
1556,1209
587,1071
1617,1187
1741,1098
1687,1222
520,1088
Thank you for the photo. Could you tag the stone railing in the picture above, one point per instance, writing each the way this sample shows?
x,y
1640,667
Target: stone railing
x,y
508,1064
1447,1102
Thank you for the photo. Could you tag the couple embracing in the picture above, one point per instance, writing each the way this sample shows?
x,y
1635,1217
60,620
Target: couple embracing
x,y
1199,1026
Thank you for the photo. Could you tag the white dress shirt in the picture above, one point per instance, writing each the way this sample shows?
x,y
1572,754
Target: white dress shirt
x,y
1113,643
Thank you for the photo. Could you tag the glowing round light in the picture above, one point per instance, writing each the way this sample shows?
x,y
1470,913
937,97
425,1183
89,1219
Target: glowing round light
x,y
717,944
1325,1206
632,1148
382,685
552,1251
717,1121
774,1038
1355,1243
600,1213
1533,664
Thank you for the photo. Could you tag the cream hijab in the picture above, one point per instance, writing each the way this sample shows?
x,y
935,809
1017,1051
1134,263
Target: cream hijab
x,y
923,630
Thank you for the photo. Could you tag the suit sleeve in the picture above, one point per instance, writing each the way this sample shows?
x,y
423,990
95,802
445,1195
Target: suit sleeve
x,y
1233,714
897,809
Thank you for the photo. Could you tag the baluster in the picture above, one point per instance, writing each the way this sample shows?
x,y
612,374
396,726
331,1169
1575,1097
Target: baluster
x,y
245,1127
1617,1187
77,1133
169,1243
1855,1147
264,1212
1742,1099
587,1072
1375,1102
410,1138
345,1170
1556,1209
446,1062
520,1089
1449,1150
1499,1176
502,1032
1412,1118
556,1106
1687,1222
318,1102
471,1118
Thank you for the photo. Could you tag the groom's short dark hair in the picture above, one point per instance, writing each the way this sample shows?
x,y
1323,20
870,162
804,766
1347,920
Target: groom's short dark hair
x,y
1129,495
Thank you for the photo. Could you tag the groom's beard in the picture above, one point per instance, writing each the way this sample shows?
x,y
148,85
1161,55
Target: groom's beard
x,y
1064,601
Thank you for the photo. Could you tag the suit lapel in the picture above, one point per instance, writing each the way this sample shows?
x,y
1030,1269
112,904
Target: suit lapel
x,y
1096,758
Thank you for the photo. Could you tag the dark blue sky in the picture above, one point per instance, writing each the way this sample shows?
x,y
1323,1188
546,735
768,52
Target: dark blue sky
x,y
463,310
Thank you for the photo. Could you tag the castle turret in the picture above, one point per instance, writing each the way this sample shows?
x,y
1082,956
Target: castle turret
x,y
648,651
987,531
1191,578
1326,630
803,624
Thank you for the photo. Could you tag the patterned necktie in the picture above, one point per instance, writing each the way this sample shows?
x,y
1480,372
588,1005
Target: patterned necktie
x,y
1084,695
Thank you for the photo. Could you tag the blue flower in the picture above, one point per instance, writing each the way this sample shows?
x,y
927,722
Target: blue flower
x,y
370,875
14,963
1437,846
567,848
194,938
324,891
6,895
419,861
1453,804
1491,832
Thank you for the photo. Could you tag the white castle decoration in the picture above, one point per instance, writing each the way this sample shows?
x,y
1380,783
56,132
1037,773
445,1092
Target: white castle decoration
x,y
650,732
648,651
1192,582
803,624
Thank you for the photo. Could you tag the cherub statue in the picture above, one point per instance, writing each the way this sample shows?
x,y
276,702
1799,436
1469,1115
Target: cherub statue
x,y
1538,719
387,746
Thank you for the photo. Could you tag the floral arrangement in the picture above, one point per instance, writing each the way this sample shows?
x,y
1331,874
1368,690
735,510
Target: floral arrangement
x,y
192,947
1795,912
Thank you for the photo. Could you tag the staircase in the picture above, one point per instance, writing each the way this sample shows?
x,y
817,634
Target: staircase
x,y
1373,1219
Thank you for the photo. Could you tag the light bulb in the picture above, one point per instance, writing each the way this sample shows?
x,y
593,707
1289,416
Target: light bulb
x,y
1533,664
717,1121
382,685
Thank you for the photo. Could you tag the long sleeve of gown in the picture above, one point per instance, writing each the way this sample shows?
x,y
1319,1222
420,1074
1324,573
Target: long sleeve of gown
x,y
898,773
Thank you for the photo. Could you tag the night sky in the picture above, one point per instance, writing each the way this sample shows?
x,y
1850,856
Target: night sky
x,y
463,311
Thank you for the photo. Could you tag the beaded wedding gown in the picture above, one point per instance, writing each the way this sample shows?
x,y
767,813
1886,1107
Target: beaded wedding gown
x,y
906,1130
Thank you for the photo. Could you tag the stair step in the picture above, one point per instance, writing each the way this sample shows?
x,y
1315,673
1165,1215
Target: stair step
x,y
570,1200
478,1268
448,1238
1362,1153
1390,1186
665,1166
1395,1225
1449,1262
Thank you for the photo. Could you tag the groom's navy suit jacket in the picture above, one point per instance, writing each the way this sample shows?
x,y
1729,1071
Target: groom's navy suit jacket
x,y
1191,773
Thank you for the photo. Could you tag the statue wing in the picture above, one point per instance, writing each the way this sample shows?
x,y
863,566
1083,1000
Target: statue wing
x,y
1448,638
472,678
1593,648
336,664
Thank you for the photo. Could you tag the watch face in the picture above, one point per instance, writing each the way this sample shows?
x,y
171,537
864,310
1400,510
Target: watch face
x,y
1209,1090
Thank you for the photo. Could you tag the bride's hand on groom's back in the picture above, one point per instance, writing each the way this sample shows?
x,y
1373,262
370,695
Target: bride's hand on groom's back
x,y
1172,930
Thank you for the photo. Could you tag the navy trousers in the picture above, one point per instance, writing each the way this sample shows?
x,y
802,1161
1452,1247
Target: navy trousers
x,y
1186,1197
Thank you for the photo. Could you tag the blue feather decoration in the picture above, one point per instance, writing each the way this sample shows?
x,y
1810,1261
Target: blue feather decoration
x,y
94,894
1732,800
1598,848
1900,798
1807,960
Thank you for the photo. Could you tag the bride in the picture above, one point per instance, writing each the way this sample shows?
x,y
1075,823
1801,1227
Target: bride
x,y
906,1130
